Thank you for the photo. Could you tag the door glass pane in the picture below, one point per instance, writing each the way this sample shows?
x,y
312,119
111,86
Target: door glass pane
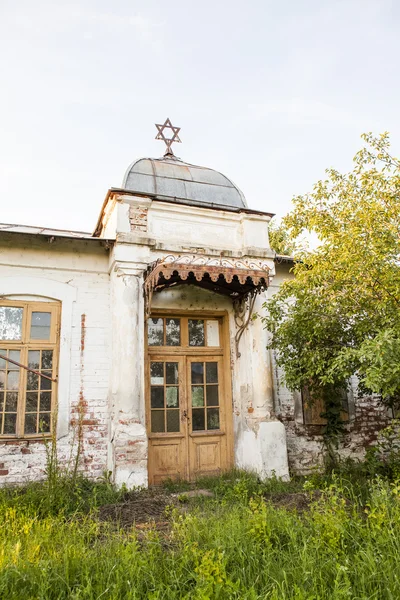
x,y
173,332
10,323
157,421
40,326
212,372
171,372
157,397
3,352
197,396
197,372
172,420
196,332
157,373
212,395
198,422
2,379
155,332
212,332
213,418
172,397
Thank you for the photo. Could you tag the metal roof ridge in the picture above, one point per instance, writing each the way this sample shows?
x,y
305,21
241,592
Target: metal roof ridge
x,y
7,226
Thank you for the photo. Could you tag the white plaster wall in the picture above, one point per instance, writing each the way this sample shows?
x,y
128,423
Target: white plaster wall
x,y
75,273
182,229
128,437
193,227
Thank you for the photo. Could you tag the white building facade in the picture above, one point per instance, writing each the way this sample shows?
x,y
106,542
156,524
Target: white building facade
x,y
137,344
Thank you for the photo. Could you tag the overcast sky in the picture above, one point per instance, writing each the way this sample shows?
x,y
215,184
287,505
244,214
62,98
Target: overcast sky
x,y
270,93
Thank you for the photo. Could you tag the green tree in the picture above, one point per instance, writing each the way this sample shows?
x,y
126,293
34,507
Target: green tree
x,y
340,314
280,240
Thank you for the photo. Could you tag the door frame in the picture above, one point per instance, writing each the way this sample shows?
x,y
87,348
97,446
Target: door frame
x,y
224,351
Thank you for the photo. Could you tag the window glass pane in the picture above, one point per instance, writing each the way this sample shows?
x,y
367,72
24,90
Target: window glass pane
x,y
30,423
173,420
45,384
14,355
213,418
155,332
2,379
11,401
12,380
197,396
173,332
172,397
171,372
44,423
1,404
196,332
33,359
31,401
198,421
32,382
212,372
157,373
45,401
157,421
212,332
47,359
212,395
197,372
10,323
40,326
157,397
10,422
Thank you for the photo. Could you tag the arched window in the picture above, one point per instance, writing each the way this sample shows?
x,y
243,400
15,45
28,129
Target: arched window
x,y
29,349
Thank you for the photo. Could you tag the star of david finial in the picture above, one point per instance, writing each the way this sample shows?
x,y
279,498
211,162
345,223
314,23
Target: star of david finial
x,y
168,140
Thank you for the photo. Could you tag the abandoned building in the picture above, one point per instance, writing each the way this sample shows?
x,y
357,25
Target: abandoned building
x,y
136,342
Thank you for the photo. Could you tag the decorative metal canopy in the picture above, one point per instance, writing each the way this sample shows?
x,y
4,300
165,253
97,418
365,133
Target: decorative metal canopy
x,y
239,279
168,141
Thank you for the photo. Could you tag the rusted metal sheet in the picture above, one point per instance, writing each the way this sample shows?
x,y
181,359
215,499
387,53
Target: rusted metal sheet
x,y
170,177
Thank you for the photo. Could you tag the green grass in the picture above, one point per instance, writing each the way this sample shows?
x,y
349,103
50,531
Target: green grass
x,y
240,543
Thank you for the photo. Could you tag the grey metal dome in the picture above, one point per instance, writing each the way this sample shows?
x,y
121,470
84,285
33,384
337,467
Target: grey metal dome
x,y
171,178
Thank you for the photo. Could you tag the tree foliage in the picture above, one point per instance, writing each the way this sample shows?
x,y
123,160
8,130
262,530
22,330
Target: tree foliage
x,y
280,240
340,314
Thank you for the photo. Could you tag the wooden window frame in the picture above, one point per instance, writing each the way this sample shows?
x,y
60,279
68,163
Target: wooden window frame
x,y
184,332
24,345
311,414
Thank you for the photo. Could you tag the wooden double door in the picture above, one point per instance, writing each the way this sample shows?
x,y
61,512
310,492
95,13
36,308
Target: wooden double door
x,y
189,415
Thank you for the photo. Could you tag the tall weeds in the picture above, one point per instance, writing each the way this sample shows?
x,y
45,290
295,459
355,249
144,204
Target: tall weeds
x,y
238,544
